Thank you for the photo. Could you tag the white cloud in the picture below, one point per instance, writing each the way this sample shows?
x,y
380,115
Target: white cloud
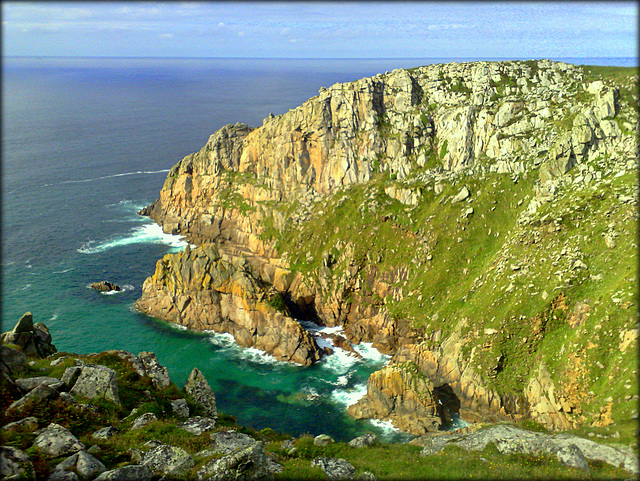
x,y
167,35
284,31
241,33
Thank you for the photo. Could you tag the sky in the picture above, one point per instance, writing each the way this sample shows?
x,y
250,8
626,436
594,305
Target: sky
x,y
298,29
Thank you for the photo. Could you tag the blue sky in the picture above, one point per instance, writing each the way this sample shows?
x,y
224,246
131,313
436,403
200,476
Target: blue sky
x,y
321,29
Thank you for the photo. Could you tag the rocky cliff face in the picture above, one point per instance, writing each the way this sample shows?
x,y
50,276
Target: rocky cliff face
x,y
477,220
198,290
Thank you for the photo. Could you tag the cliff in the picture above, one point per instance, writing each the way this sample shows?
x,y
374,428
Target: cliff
x,y
476,220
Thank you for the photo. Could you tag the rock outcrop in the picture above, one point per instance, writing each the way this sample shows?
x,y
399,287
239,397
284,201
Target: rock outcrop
x,y
403,395
105,286
32,339
198,289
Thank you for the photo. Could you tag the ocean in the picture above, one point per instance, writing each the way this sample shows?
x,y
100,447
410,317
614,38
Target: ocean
x,y
86,143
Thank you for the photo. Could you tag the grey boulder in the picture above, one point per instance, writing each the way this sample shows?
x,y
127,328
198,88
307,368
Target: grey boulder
x,y
133,472
198,388
335,468
98,381
197,425
83,464
142,420
250,463
15,464
230,441
167,460
55,440
159,374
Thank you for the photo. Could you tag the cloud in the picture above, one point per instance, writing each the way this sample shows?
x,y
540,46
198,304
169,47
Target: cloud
x,y
167,35
241,33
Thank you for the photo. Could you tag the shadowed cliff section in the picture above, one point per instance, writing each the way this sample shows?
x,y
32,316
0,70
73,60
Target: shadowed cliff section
x,y
476,220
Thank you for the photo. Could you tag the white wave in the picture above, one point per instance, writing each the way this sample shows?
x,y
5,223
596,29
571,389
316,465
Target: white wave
x,y
349,396
340,361
64,270
221,339
124,288
145,234
54,317
370,353
124,174
386,426
25,287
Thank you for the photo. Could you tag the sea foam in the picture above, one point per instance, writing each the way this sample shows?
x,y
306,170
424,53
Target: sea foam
x,y
144,234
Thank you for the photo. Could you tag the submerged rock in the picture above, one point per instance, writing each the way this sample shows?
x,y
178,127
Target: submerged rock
x,y
105,286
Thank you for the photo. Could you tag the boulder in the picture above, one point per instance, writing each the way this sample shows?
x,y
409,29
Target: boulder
x,y
159,374
334,468
571,455
39,394
180,408
364,441
28,383
198,388
99,381
197,425
230,441
12,360
322,440
133,472
32,339
15,464
83,464
55,440
250,463
29,424
63,476
105,433
166,460
509,439
105,286
142,420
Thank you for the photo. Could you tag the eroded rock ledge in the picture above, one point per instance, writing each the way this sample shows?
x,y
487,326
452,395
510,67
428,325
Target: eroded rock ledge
x,y
197,289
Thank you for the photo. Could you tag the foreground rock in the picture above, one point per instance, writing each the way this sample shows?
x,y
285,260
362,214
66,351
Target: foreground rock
x,y
166,460
55,440
250,463
83,464
32,339
133,472
15,464
509,439
230,441
198,388
335,468
96,380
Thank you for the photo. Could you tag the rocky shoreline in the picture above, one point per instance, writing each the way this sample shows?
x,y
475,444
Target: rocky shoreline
x,y
99,416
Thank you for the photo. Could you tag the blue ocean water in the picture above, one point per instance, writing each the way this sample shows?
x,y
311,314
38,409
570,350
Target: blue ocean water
x,y
86,143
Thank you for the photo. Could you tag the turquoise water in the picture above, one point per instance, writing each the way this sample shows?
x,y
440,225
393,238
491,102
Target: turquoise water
x,y
86,143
